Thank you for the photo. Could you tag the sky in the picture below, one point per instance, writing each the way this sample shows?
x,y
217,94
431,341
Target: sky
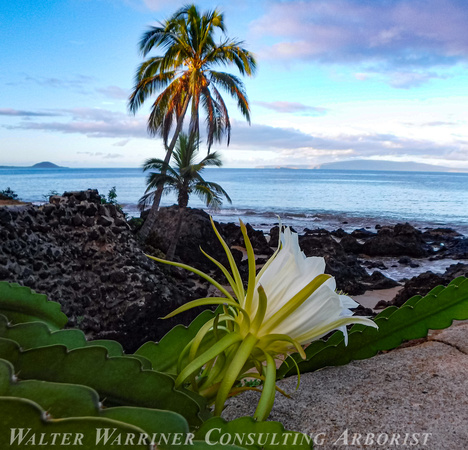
x,y
336,80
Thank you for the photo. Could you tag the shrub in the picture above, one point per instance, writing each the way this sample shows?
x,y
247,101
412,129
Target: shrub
x,y
8,194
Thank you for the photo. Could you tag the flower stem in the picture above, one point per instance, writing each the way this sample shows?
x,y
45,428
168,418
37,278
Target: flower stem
x,y
268,392
236,365
205,357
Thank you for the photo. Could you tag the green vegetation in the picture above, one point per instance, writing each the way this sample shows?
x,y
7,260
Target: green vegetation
x,y
50,194
250,383
111,198
89,385
183,178
8,194
84,385
185,77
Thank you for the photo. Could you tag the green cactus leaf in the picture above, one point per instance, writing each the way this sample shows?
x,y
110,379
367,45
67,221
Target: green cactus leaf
x,y
114,348
200,445
263,435
7,373
62,400
167,429
121,381
151,420
165,353
23,424
21,304
58,399
436,310
37,334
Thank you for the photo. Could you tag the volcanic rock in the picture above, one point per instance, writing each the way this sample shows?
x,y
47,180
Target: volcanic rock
x,y
196,232
402,240
97,272
425,282
345,268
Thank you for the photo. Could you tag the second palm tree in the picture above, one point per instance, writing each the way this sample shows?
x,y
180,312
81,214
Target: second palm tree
x,y
183,178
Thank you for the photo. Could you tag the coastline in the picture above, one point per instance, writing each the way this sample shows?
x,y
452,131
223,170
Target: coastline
x,y
302,198
85,255
329,221
303,223
334,222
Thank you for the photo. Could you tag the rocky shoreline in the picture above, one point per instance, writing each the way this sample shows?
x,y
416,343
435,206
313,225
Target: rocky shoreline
x,y
85,255
358,260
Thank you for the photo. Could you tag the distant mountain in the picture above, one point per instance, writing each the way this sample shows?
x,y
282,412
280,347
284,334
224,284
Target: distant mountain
x,y
46,165
41,165
368,164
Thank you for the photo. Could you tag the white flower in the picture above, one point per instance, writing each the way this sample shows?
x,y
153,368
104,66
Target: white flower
x,y
288,273
289,303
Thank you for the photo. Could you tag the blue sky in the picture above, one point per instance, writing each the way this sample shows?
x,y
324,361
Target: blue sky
x,y
336,80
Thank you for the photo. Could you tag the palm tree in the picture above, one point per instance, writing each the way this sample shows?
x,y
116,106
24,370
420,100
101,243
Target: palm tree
x,y
183,178
185,76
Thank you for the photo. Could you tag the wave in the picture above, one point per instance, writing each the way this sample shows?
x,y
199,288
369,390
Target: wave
x,y
265,219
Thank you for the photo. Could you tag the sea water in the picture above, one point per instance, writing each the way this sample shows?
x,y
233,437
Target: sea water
x,y
302,198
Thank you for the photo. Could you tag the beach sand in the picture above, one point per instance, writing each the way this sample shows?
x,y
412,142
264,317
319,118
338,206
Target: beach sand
x,y
370,298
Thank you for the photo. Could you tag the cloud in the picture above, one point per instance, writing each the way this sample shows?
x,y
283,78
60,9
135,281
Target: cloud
x,y
401,33
154,5
437,123
90,153
101,155
266,137
399,79
302,145
407,80
101,123
96,123
114,92
78,83
21,113
293,107
122,143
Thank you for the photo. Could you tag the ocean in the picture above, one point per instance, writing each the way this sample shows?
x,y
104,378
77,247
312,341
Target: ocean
x,y
302,198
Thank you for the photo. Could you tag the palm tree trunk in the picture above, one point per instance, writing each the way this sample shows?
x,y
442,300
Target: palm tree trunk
x,y
172,248
148,225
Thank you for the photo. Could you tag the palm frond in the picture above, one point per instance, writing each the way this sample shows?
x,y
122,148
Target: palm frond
x,y
231,52
167,108
154,164
146,87
210,193
212,159
216,188
215,120
155,180
235,88
224,116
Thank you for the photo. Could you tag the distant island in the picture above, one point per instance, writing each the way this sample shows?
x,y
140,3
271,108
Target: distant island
x,y
41,165
46,165
368,164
